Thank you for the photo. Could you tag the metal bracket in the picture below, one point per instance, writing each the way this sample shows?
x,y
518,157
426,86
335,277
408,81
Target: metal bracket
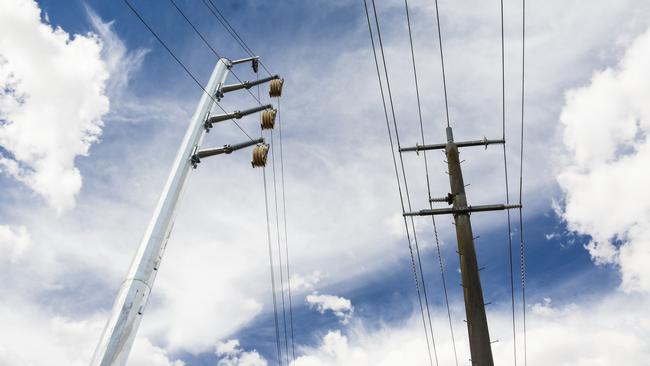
x,y
460,210
234,115
483,142
197,155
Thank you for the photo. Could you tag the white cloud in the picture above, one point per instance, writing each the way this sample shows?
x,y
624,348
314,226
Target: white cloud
x,y
600,331
305,282
13,242
339,306
605,179
231,354
61,340
53,99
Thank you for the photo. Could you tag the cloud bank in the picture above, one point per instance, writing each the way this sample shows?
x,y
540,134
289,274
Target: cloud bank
x,y
52,99
605,179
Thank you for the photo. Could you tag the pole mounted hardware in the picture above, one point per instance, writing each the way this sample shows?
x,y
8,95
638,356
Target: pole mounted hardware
x,y
234,115
449,198
255,62
226,149
461,210
275,88
260,152
246,85
268,118
483,142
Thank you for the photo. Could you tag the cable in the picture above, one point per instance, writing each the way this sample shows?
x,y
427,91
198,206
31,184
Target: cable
x,y
426,169
522,251
226,24
277,226
286,240
268,234
505,169
413,265
210,47
406,188
182,65
442,63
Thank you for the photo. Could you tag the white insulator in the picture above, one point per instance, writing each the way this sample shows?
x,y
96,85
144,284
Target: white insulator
x,y
275,88
268,118
259,155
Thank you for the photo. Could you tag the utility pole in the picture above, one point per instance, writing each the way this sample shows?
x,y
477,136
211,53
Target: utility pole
x,y
118,336
477,327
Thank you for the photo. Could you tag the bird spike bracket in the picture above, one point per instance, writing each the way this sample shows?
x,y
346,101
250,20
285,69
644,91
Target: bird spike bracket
x,y
234,115
226,149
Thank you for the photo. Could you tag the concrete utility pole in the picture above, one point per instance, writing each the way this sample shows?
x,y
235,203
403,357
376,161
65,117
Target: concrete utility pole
x,y
477,328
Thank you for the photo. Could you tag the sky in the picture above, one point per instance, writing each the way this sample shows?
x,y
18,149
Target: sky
x,y
93,109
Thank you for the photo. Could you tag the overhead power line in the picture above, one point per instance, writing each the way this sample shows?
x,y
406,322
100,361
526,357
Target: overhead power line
x,y
442,63
505,170
230,29
426,169
187,71
413,263
522,249
205,41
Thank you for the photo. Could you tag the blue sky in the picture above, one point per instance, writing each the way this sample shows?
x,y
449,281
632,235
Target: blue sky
x,y
115,106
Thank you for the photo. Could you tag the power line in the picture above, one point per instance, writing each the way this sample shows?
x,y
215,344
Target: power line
x,y
286,240
426,169
189,73
277,226
205,41
271,266
505,170
406,188
233,32
442,63
522,251
413,265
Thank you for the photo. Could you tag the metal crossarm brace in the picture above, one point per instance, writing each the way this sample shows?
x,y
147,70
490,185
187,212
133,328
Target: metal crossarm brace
x,y
226,149
255,62
484,142
236,115
245,85
461,210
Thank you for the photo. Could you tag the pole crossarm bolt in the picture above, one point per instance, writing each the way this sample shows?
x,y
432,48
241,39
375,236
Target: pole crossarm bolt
x,y
483,142
226,149
234,115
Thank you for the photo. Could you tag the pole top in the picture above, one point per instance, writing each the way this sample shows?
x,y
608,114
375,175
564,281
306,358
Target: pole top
x,y
450,135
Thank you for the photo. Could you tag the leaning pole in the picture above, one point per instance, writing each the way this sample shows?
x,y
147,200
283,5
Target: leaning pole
x,y
118,336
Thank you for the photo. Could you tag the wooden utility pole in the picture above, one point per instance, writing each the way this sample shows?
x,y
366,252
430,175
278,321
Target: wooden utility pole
x,y
477,328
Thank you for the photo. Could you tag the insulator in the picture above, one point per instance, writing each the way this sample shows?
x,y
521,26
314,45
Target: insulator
x,y
275,87
268,118
259,155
